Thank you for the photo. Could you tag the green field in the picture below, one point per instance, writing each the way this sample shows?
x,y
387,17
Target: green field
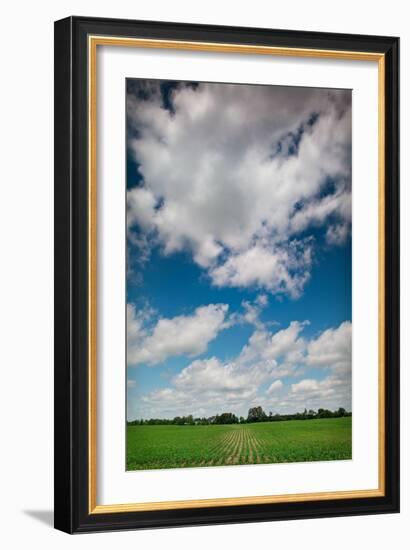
x,y
152,447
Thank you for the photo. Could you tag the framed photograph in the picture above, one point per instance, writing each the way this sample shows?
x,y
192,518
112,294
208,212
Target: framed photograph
x,y
226,274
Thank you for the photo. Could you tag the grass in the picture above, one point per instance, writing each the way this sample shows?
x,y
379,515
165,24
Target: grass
x,y
153,447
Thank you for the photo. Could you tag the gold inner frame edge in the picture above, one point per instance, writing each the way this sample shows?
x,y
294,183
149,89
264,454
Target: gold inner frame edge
x,y
93,42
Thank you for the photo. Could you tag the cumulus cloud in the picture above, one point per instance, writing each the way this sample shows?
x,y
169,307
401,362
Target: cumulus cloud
x,y
337,234
330,352
276,386
182,335
305,385
211,385
332,392
251,312
285,345
332,349
233,174
284,270
212,375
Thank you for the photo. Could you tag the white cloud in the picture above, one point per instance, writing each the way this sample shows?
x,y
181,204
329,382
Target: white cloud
x,y
282,271
252,311
181,335
332,349
337,234
209,386
317,211
211,375
284,344
234,173
331,392
212,386
262,300
304,386
276,386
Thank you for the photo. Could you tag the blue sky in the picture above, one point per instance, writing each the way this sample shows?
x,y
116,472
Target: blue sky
x,y
239,248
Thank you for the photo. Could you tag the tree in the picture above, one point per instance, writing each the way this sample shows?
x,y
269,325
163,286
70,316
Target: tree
x,y
256,414
226,418
324,413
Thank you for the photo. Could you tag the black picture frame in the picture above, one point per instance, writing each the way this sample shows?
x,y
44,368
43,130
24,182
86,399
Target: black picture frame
x,y
71,492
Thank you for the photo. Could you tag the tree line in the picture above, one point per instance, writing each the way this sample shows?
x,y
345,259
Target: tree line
x,y
255,414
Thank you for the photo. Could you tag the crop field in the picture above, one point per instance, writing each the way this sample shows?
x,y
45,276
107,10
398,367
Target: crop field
x,y
170,446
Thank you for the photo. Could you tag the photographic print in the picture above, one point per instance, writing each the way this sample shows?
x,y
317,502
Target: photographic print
x,y
238,274
217,298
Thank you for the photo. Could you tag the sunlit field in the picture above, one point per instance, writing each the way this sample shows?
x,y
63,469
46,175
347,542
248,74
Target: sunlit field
x,y
170,446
